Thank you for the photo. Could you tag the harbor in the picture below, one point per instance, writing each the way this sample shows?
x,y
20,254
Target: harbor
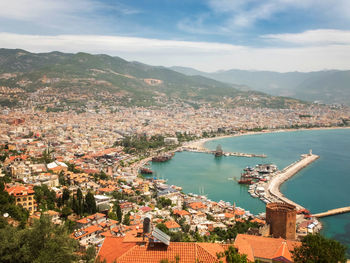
x,y
273,187
236,154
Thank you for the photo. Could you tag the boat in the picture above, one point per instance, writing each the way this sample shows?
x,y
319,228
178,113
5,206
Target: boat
x,y
245,180
145,170
162,158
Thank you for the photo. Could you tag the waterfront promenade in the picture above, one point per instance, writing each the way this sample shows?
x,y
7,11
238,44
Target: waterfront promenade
x,y
273,187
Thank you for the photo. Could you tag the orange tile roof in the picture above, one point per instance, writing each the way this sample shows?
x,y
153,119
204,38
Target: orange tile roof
x,y
265,247
239,212
87,231
283,252
197,205
171,224
114,248
229,215
181,212
259,221
19,190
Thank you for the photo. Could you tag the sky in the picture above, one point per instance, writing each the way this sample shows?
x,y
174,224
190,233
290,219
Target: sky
x,y
209,35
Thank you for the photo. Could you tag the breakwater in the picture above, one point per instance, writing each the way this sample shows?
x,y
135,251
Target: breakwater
x,y
332,212
236,154
273,187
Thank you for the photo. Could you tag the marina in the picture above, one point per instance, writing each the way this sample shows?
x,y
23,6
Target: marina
x,y
215,152
312,187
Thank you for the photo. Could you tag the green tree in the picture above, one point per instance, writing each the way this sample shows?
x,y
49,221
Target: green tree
x,y
232,256
65,195
126,220
90,203
118,211
44,242
90,254
318,249
66,211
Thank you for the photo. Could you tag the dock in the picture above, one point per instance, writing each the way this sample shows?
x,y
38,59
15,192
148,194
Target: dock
x,y
237,154
273,187
332,212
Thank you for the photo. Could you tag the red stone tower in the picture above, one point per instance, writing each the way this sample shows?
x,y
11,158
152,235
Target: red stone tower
x,y
282,219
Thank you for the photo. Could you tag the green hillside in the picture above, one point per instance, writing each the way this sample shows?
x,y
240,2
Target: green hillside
x,y
114,80
330,86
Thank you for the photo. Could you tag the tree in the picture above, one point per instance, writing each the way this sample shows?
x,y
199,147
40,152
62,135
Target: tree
x,y
90,254
44,242
65,195
90,203
316,248
118,212
126,220
79,204
232,256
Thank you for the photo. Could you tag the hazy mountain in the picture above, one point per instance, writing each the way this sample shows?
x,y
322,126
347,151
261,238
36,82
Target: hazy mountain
x,y
332,86
129,83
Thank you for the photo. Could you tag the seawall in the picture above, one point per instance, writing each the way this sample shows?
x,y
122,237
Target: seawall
x,y
275,183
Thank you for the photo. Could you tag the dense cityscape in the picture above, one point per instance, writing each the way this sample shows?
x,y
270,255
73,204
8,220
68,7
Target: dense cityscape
x,y
84,171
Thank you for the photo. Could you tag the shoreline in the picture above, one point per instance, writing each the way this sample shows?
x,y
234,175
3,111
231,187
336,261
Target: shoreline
x,y
201,142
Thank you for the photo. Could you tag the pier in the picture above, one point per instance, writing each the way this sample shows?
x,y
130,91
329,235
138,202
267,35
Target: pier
x,y
273,187
237,154
332,212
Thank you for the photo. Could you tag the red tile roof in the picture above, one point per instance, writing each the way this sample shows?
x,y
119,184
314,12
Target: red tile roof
x,y
197,205
86,231
19,190
181,212
171,224
264,247
113,248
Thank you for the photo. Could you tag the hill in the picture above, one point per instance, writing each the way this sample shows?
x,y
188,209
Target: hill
x,y
332,86
78,78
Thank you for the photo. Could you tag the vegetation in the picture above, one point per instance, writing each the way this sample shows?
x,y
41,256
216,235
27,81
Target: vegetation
x,y
319,249
7,205
44,197
44,242
232,256
231,232
78,73
141,144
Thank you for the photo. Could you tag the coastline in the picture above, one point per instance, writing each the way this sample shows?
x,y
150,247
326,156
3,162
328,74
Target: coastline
x,y
200,144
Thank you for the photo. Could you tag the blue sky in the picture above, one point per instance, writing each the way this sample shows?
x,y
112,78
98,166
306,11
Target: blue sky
x,y
280,35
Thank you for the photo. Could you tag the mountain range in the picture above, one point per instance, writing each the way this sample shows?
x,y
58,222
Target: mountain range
x,y
111,80
329,86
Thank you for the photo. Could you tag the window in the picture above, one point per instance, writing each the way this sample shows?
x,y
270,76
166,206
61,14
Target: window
x,y
18,199
30,203
24,199
29,198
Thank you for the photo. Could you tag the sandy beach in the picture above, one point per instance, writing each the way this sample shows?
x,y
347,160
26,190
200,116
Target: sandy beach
x,y
200,144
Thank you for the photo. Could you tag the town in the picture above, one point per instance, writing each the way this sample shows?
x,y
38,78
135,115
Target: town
x,y
84,172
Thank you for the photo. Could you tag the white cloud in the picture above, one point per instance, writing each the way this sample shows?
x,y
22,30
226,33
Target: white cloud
x,y
245,13
207,56
313,37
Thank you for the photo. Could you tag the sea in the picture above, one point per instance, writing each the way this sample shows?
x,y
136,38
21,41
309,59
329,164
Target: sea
x,y
323,185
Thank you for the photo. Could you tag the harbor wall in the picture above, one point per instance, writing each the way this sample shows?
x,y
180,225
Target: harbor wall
x,y
285,174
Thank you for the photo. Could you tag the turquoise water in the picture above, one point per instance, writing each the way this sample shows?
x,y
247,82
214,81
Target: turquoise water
x,y
323,185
